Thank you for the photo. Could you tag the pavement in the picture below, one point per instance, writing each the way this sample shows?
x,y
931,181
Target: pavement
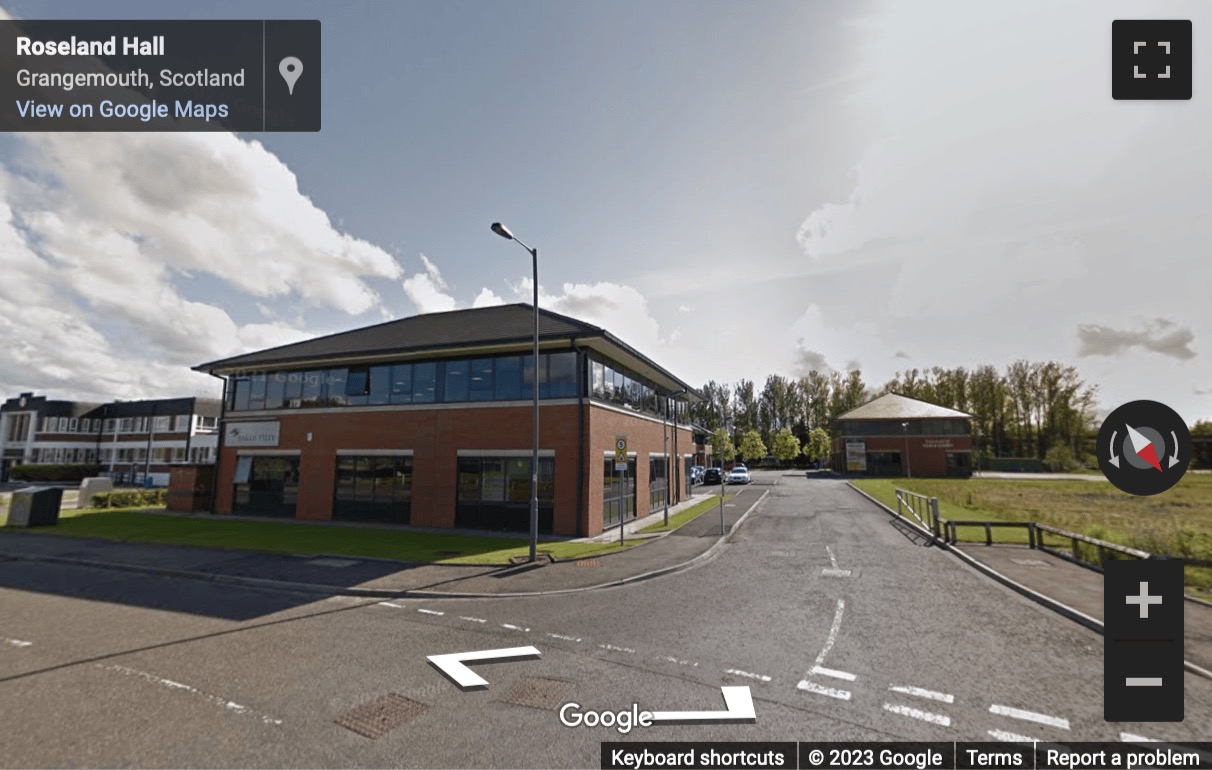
x,y
1069,589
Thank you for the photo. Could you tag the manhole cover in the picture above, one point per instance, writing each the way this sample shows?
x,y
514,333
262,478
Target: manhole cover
x,y
325,561
537,693
380,716
589,563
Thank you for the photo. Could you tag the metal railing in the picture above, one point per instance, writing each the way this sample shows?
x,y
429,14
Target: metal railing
x,y
923,510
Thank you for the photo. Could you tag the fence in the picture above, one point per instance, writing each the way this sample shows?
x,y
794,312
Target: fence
x,y
1082,549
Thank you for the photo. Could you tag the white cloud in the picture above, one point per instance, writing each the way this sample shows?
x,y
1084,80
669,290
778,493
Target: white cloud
x,y
101,234
428,290
487,298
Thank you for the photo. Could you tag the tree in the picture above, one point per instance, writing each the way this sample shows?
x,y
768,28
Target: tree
x,y
818,445
786,445
721,446
752,448
745,409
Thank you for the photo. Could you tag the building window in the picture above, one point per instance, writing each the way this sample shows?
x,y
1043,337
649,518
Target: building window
x,y
380,385
658,483
266,485
458,380
494,493
618,493
373,489
126,425
598,372
481,386
73,425
424,383
401,384
275,390
508,386
562,375
182,425
357,385
161,423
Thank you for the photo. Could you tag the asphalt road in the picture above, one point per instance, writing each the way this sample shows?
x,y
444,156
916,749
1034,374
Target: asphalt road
x,y
844,625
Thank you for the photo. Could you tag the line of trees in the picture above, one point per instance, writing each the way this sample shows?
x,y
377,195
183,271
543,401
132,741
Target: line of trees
x,y
1030,409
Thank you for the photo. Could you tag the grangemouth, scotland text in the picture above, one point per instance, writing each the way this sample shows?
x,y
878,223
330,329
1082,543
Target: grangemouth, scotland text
x,y
133,79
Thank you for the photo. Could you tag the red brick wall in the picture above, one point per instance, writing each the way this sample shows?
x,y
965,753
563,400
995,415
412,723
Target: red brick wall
x,y
923,460
436,435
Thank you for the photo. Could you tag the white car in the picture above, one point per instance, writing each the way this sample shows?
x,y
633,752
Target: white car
x,y
739,475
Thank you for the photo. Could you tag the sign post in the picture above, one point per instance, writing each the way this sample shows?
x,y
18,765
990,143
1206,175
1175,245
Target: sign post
x,y
620,463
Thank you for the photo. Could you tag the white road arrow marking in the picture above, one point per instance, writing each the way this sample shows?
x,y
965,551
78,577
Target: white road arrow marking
x,y
451,664
740,709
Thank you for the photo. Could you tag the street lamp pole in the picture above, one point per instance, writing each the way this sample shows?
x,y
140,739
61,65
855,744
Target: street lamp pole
x,y
908,468
503,231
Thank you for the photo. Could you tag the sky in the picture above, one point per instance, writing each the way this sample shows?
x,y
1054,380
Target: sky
x,y
735,189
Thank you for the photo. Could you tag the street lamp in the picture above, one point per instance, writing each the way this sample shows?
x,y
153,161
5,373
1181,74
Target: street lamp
x,y
908,468
665,440
503,231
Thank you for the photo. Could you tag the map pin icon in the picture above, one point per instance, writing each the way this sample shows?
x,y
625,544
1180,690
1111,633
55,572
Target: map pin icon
x,y
291,68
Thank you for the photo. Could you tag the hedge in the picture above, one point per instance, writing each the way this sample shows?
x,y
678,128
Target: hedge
x,y
130,498
54,472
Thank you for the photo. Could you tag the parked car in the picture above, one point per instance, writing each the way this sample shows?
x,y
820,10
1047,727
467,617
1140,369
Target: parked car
x,y
696,474
739,475
713,476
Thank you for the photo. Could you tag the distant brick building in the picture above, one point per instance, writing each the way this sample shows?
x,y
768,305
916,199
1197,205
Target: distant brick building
x,y
427,421
894,435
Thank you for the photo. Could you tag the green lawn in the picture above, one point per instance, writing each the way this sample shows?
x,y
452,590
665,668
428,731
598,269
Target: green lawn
x,y
1177,522
301,538
693,512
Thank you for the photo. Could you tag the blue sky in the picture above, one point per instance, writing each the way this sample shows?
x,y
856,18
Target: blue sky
x,y
737,189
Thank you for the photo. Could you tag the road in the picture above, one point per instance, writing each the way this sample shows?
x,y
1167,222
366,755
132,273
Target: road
x,y
844,625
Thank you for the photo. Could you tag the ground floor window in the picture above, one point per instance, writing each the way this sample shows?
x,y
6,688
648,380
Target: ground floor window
x,y
658,483
494,493
373,489
618,493
266,485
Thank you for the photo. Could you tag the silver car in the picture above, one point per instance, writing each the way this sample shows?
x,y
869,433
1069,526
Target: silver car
x,y
739,475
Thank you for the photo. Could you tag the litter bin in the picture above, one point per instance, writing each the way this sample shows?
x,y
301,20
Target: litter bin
x,y
35,507
148,482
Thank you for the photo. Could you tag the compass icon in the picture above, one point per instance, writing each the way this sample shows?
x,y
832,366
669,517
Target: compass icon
x,y
1144,447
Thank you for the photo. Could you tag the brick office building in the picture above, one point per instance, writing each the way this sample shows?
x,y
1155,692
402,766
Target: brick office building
x,y
427,421
894,435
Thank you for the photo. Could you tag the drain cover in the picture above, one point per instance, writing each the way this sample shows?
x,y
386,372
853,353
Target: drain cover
x,y
325,561
547,694
380,716
589,563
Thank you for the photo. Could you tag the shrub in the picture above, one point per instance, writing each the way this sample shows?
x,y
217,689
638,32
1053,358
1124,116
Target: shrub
x,y
1060,459
130,498
66,473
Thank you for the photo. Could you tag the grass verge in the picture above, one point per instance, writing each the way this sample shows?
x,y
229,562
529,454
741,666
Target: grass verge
x,y
693,512
144,526
1177,522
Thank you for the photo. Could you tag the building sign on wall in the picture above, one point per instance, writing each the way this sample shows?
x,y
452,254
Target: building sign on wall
x,y
251,433
856,455
937,443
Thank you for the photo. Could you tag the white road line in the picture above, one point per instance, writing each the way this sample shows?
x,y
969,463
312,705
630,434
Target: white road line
x,y
672,659
472,620
389,604
831,692
513,627
922,693
831,572
925,716
837,626
1002,735
738,672
565,638
429,612
832,558
1030,716
215,699
16,642
833,672
616,649
1133,738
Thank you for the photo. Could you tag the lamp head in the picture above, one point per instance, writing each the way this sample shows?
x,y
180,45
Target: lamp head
x,y
502,230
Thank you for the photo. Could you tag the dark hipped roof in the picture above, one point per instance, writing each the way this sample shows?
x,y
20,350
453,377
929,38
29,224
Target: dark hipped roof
x,y
892,406
499,327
